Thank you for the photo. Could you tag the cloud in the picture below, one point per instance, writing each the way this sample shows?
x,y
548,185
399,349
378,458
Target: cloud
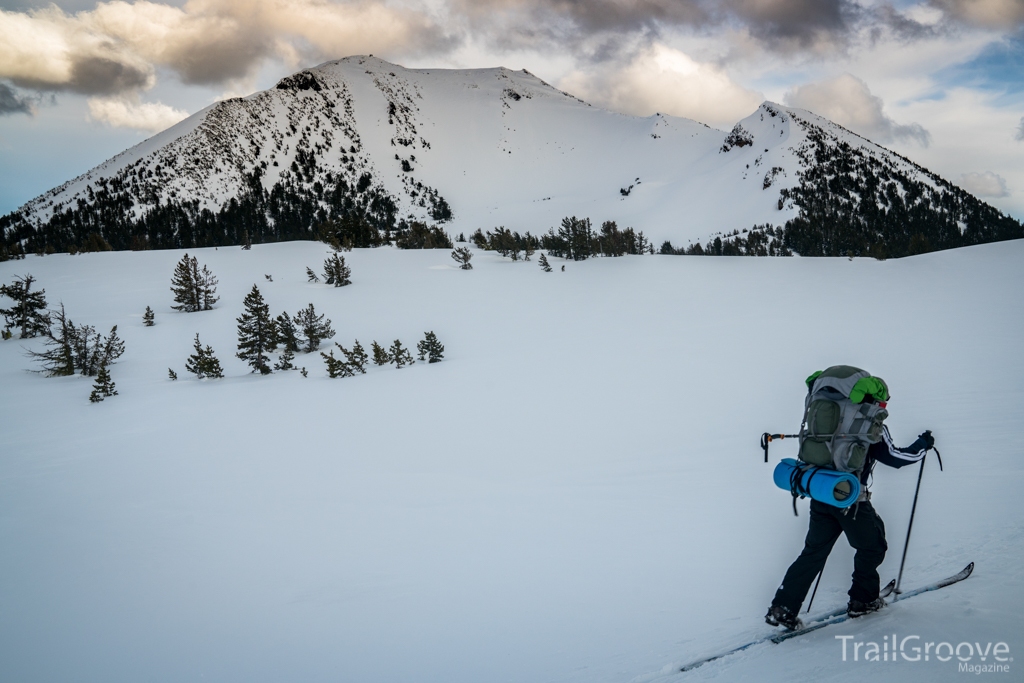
x,y
987,13
118,46
13,103
47,50
777,24
1020,131
847,101
803,21
151,117
662,79
987,184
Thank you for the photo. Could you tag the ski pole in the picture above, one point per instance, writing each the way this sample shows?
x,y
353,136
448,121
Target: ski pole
x,y
913,509
816,584
767,438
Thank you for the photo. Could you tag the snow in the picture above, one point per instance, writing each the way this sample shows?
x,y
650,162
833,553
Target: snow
x,y
575,493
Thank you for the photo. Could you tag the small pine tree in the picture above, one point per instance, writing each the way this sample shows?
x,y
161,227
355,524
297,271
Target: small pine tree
x,y
543,263
183,285
29,309
247,243
172,374
286,333
335,366
148,317
284,362
313,327
112,349
103,387
5,333
304,372
194,289
529,249
256,332
336,272
311,276
354,359
380,355
400,355
203,363
462,256
430,348
59,358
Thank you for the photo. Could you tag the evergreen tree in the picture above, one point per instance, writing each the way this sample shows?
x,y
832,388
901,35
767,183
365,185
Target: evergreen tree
x,y
148,317
284,362
400,355
103,387
380,355
479,239
356,358
543,263
59,358
256,332
74,348
336,272
183,285
430,348
335,366
29,310
172,374
112,349
194,289
311,276
247,244
203,363
303,372
462,256
528,248
286,333
313,327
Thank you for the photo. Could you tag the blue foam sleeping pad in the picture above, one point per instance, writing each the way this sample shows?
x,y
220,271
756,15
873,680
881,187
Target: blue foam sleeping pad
x,y
822,484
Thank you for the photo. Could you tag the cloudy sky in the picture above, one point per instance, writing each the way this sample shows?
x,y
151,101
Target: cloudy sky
x,y
940,81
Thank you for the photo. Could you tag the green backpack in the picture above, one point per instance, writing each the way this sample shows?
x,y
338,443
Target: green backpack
x,y
843,415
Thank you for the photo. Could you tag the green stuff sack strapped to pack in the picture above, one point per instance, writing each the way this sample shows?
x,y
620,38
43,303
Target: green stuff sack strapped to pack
x,y
843,415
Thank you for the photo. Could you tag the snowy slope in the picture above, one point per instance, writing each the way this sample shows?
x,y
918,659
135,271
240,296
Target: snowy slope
x,y
574,494
500,147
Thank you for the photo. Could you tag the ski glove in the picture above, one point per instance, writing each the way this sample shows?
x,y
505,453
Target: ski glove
x,y
926,439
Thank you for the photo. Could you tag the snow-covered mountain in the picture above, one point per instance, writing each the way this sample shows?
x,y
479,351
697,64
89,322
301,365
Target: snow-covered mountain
x,y
483,148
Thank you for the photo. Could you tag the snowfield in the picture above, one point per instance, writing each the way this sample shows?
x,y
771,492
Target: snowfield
x,y
576,493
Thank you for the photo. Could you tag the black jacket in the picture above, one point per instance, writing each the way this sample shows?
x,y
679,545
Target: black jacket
x,y
888,454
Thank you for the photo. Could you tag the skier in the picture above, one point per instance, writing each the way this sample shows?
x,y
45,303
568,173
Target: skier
x,y
864,531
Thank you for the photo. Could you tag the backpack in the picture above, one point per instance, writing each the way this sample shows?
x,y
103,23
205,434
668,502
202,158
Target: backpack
x,y
843,415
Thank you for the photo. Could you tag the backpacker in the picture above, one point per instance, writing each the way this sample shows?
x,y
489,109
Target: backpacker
x,y
843,415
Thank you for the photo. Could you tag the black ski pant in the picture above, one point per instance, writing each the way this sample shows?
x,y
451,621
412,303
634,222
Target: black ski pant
x,y
865,532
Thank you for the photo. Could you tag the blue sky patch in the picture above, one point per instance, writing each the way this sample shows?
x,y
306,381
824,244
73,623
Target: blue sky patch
x,y
999,67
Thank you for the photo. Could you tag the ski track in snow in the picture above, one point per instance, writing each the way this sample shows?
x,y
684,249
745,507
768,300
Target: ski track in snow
x,y
575,494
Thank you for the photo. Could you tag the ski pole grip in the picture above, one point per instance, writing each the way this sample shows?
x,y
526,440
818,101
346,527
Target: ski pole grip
x,y
765,439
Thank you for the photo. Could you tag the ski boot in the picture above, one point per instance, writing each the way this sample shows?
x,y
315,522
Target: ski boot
x,y
779,615
856,608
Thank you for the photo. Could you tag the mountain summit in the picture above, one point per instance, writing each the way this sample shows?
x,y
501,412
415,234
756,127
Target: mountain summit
x,y
363,146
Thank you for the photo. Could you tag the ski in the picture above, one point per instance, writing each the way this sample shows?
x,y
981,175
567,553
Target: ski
x,y
833,617
836,616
